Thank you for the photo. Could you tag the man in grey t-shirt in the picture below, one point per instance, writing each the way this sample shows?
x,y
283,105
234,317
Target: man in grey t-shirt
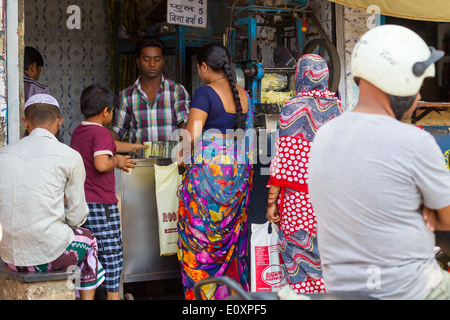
x,y
370,176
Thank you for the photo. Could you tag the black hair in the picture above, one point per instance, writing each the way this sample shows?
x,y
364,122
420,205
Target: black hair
x,y
216,56
148,42
95,98
40,113
400,105
31,55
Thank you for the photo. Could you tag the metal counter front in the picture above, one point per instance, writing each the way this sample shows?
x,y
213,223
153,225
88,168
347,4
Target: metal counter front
x,y
139,222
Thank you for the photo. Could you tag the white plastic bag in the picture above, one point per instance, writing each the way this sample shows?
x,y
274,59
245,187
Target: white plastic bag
x,y
268,272
167,181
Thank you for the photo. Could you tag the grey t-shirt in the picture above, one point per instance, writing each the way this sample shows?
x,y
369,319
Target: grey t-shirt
x,y
368,176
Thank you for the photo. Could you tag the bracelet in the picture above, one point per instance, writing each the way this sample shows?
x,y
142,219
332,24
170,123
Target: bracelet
x,y
270,204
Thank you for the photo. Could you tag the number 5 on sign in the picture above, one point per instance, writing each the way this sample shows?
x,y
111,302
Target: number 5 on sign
x,y
192,13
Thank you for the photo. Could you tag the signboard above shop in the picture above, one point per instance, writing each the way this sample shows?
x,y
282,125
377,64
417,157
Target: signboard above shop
x,y
192,13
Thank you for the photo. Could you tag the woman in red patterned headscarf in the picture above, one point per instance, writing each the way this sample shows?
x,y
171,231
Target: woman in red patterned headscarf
x,y
288,201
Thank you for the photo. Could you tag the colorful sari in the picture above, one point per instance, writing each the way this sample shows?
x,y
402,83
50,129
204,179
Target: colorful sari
x,y
212,215
299,120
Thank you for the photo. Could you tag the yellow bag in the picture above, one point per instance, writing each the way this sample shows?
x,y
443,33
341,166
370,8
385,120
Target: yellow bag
x,y
167,181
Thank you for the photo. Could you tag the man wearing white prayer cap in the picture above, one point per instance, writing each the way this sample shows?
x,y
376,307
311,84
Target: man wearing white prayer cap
x,y
43,202
44,99
42,111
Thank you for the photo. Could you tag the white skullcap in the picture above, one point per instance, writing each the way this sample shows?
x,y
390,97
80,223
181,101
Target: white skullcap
x,y
41,98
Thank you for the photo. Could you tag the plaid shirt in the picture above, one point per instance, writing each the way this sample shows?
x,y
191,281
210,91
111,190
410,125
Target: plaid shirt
x,y
145,122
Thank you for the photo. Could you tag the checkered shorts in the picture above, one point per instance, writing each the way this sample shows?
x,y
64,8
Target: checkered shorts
x,y
104,222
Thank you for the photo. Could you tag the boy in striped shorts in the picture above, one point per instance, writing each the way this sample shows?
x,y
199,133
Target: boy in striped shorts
x,y
98,149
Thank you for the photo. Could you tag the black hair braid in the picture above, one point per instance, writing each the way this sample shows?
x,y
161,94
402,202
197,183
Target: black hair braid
x,y
240,118
217,58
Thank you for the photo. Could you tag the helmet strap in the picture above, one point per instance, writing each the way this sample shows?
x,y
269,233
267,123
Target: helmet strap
x,y
400,105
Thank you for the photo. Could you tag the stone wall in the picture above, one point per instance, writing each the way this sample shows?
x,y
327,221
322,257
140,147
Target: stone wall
x,y
50,290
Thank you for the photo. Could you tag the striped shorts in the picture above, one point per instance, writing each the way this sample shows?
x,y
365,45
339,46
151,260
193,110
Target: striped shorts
x,y
104,222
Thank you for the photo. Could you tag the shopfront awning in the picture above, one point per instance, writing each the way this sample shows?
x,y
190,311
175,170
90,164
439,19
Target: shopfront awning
x,y
429,10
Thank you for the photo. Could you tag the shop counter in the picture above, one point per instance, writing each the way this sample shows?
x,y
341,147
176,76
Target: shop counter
x,y
139,222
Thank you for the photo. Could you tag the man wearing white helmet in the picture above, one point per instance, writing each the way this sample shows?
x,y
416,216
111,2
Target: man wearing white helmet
x,y
371,175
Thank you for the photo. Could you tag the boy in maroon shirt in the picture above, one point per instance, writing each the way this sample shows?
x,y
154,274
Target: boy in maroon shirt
x,y
98,149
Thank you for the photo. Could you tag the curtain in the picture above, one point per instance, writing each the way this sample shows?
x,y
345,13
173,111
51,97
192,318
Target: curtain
x,y
429,10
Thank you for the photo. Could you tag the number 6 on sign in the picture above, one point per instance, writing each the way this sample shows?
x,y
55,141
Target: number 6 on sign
x,y
187,12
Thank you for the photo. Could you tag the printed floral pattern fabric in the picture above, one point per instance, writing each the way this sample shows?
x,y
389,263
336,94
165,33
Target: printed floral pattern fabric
x,y
212,215
82,252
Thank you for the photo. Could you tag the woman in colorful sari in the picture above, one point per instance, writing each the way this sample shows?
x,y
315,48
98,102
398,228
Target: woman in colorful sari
x,y
212,215
288,200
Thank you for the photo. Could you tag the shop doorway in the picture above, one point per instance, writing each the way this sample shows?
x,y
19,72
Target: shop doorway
x,y
436,34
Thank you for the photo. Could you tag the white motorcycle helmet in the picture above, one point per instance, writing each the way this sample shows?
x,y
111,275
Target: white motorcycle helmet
x,y
396,60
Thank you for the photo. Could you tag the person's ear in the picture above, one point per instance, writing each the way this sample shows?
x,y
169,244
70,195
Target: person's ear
x,y
59,122
34,68
26,123
204,67
34,71
105,112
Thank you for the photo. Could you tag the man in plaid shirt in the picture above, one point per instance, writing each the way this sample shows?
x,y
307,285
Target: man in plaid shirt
x,y
153,107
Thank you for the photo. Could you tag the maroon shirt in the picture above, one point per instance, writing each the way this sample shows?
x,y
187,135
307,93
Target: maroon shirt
x,y
91,139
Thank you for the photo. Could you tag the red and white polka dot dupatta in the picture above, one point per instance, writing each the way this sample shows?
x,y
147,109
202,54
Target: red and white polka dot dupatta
x,y
289,169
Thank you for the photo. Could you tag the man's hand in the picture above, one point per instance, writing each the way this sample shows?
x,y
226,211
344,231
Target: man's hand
x,y
430,218
137,146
